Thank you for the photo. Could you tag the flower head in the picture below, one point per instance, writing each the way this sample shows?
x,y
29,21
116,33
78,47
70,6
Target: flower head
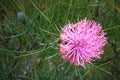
x,y
82,42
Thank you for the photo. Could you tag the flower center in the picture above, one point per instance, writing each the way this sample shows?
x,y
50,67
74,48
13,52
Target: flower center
x,y
78,44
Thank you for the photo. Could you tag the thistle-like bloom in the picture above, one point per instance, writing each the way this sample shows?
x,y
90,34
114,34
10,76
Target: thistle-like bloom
x,y
82,42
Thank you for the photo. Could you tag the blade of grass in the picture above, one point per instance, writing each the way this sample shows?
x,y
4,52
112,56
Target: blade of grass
x,y
112,28
31,53
104,71
42,14
40,11
68,10
52,56
17,35
47,32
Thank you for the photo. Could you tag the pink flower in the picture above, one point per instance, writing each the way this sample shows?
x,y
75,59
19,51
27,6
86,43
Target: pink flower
x,y
82,42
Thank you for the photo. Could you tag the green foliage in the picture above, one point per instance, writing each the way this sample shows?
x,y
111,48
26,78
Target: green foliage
x,y
29,49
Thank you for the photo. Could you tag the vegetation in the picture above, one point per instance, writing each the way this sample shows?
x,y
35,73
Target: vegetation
x,y
29,39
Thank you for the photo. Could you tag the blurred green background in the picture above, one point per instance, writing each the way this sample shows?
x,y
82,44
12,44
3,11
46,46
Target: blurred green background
x,y
29,39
